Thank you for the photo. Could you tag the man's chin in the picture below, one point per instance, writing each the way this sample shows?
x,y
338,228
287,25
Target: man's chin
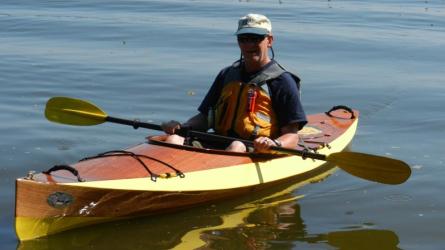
x,y
251,58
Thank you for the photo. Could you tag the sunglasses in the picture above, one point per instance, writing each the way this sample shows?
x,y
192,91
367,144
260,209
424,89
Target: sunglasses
x,y
250,38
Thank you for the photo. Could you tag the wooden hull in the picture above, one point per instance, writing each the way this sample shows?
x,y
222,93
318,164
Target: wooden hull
x,y
120,185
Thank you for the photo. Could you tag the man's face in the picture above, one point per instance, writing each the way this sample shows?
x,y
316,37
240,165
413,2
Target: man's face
x,y
254,48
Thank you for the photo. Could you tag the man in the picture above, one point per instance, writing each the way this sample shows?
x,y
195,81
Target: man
x,y
255,98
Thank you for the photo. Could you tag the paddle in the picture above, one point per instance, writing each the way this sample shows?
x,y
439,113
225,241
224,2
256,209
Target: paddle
x,y
380,169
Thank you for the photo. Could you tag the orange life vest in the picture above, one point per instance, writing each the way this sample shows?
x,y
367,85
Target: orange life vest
x,y
246,108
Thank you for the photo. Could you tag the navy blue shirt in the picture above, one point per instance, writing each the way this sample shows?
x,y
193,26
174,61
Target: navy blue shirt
x,y
283,92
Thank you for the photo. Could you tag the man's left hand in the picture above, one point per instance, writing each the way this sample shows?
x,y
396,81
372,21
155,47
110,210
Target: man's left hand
x,y
263,144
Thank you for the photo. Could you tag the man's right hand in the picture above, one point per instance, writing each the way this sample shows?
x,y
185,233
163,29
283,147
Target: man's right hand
x,y
171,127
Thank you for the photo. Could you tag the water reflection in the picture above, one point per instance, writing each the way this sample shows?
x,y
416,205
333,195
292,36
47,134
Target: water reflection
x,y
271,220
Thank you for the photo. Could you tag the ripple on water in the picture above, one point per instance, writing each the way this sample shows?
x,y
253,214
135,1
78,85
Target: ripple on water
x,y
398,197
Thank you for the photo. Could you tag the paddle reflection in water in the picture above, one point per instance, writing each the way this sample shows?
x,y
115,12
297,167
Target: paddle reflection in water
x,y
264,220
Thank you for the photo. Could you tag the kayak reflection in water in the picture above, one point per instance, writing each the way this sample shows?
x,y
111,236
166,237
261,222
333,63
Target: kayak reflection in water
x,y
254,98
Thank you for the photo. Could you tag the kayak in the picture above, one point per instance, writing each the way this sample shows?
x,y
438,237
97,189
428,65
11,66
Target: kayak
x,y
156,177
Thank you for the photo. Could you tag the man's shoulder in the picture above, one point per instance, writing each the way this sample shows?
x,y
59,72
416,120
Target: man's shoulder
x,y
229,73
289,77
286,80
286,75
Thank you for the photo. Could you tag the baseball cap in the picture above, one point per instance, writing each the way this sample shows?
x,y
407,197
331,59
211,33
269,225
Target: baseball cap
x,y
254,24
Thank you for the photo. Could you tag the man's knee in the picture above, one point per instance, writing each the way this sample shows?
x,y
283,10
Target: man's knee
x,y
236,146
175,139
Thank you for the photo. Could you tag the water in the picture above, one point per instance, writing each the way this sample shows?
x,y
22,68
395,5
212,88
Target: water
x,y
154,60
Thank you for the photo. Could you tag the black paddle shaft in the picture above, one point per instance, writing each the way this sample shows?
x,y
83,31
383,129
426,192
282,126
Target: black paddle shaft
x,y
134,123
212,137
220,138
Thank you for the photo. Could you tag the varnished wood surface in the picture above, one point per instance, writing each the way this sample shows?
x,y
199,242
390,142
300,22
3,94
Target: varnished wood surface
x,y
91,202
187,159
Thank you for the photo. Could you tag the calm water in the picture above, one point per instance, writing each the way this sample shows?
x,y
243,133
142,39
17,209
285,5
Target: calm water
x,y
154,60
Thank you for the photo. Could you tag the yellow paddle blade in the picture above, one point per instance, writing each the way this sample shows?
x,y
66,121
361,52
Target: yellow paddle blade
x,y
371,167
72,111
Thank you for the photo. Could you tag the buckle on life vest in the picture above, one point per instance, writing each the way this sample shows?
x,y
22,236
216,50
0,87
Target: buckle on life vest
x,y
251,95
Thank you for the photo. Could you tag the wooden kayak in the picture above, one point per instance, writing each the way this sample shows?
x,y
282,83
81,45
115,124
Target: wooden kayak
x,y
155,177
